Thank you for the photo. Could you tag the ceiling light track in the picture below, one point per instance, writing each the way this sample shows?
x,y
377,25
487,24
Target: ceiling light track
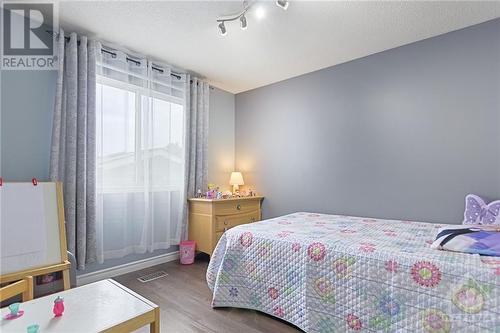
x,y
241,16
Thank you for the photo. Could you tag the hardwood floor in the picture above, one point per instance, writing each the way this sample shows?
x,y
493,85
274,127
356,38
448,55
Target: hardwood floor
x,y
184,300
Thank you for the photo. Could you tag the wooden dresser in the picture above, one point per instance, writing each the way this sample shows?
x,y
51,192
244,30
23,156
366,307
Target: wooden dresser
x,y
209,218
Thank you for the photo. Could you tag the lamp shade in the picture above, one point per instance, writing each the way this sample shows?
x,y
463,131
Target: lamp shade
x,y
236,179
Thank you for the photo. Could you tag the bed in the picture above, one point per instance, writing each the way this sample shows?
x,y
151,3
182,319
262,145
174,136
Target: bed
x,y
331,273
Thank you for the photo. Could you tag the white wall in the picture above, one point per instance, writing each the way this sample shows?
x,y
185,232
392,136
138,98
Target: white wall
x,y
221,138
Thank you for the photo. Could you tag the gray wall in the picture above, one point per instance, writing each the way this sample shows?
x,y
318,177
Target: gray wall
x,y
404,134
27,101
221,138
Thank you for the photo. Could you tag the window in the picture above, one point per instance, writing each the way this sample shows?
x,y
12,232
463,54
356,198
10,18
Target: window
x,y
138,134
140,156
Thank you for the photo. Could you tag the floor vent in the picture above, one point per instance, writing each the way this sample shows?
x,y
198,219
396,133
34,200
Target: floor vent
x,y
152,276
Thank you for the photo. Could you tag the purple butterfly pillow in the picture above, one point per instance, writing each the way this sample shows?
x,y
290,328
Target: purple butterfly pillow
x,y
478,212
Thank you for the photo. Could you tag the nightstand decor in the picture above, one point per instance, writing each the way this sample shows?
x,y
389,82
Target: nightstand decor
x,y
236,180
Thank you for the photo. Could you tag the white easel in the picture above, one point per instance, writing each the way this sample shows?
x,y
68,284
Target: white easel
x,y
33,235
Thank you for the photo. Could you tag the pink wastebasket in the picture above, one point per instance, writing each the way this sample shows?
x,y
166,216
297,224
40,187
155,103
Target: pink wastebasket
x,y
186,249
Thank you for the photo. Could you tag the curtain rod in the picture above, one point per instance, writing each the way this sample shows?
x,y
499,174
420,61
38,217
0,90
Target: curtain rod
x,y
113,54
177,76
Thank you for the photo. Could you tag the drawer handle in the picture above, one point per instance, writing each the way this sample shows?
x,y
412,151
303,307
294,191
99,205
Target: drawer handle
x,y
238,207
252,219
225,229
225,222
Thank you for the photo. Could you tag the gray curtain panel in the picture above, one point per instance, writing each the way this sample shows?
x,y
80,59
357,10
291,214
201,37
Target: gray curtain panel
x,y
73,154
196,167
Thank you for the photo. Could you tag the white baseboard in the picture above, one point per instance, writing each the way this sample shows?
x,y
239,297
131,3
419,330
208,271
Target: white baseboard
x,y
126,268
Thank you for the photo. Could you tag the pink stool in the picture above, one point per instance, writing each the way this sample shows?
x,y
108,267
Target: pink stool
x,y
186,249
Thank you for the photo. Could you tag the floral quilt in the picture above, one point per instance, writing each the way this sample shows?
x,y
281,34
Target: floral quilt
x,y
330,273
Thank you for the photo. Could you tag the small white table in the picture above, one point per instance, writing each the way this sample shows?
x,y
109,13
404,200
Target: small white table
x,y
104,306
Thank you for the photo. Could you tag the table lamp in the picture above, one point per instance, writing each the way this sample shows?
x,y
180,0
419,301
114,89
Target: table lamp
x,y
236,180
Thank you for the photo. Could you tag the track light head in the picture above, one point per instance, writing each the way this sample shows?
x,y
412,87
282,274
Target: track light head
x,y
243,22
282,4
222,29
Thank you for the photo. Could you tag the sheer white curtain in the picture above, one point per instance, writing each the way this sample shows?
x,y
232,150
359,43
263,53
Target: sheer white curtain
x,y
140,154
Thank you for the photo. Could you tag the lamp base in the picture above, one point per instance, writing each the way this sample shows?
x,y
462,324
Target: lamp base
x,y
236,191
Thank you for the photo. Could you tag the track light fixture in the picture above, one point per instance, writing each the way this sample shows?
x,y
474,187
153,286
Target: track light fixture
x,y
222,29
242,15
282,4
243,22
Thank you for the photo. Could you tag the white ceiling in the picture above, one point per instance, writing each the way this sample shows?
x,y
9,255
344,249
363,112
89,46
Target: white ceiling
x,y
309,36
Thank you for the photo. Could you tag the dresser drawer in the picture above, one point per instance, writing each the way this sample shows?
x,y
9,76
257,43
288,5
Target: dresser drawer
x,y
228,221
231,207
